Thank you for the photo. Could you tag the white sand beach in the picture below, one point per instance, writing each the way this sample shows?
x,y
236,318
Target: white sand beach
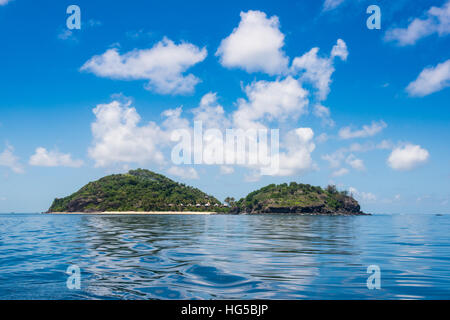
x,y
139,212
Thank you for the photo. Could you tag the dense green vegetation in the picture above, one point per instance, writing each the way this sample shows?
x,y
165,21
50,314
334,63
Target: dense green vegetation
x,y
137,190
298,198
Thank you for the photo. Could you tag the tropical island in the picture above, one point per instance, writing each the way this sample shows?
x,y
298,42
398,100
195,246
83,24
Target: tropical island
x,y
299,199
143,191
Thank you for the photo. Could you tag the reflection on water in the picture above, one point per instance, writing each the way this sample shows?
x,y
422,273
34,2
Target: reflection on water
x,y
224,257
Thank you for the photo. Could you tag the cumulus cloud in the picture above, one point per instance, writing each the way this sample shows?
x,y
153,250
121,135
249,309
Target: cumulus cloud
x,y
184,173
407,157
4,2
8,159
118,136
266,101
210,112
435,20
270,100
366,131
318,70
255,45
296,158
431,80
44,158
173,119
163,66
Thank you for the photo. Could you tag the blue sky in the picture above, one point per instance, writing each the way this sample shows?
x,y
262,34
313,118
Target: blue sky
x,y
373,105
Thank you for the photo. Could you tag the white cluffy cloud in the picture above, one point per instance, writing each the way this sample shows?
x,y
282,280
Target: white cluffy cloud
x,y
163,66
296,158
44,158
436,20
270,100
277,100
407,157
255,45
318,70
3,2
118,137
366,131
184,173
431,80
211,113
8,159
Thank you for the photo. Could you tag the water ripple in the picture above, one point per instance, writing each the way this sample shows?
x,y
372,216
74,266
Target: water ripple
x,y
224,257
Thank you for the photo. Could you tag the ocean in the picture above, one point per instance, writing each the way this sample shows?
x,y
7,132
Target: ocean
x,y
224,257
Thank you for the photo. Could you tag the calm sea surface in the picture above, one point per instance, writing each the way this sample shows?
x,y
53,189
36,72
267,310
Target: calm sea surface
x,y
224,257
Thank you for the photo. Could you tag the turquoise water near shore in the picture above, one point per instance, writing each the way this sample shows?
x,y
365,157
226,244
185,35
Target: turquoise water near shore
x,y
224,257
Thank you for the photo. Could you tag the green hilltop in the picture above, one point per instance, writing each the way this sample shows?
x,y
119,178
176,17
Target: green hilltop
x,y
137,190
298,198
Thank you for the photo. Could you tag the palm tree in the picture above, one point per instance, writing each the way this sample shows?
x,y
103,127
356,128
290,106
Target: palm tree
x,y
230,201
